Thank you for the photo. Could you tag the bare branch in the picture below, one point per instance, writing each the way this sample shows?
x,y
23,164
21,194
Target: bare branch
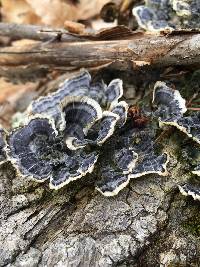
x,y
34,32
135,49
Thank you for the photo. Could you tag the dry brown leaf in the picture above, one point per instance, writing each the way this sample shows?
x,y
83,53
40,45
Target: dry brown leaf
x,y
90,8
11,97
9,92
19,12
74,27
50,12
53,12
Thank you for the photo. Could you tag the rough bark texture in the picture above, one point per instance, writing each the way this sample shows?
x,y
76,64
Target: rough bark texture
x,y
148,224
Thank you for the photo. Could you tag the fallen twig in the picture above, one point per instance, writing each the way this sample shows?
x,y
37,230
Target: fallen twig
x,y
157,50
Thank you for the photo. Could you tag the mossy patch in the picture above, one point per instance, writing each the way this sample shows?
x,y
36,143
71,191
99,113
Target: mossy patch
x,y
193,224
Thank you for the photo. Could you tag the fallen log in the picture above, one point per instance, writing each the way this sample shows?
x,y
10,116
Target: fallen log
x,y
178,49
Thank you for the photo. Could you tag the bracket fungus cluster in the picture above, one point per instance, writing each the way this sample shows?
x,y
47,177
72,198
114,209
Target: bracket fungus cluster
x,y
170,111
134,156
83,127
63,134
159,15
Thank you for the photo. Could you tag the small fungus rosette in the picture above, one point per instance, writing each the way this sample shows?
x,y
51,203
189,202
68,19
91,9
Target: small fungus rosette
x,y
82,109
30,146
38,151
86,122
150,20
190,190
169,103
170,111
134,156
158,15
81,85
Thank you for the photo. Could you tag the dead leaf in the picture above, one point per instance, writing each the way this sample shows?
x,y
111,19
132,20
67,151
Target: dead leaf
x,y
19,12
74,27
50,12
12,96
53,12
88,9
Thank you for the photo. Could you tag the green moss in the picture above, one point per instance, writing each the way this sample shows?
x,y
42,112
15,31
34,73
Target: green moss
x,y
193,224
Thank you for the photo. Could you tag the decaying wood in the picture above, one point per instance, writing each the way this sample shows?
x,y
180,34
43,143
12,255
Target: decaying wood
x,y
138,49
35,32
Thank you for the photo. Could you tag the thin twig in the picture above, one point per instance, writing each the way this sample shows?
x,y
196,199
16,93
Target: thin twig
x,y
158,50
189,103
35,32
194,109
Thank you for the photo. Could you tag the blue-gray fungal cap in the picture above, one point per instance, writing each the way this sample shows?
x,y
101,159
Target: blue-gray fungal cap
x,y
170,104
37,151
30,146
130,160
190,190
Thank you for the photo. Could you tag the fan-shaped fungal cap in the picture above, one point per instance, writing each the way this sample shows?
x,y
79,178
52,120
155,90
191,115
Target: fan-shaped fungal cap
x,y
149,164
3,157
106,127
197,170
143,143
80,165
171,105
29,145
125,159
190,190
151,19
48,105
76,86
113,92
102,129
134,156
182,8
79,113
188,125
121,109
143,15
159,25
97,91
112,183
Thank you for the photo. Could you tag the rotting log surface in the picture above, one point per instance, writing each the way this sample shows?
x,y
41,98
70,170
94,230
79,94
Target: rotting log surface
x,y
157,50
